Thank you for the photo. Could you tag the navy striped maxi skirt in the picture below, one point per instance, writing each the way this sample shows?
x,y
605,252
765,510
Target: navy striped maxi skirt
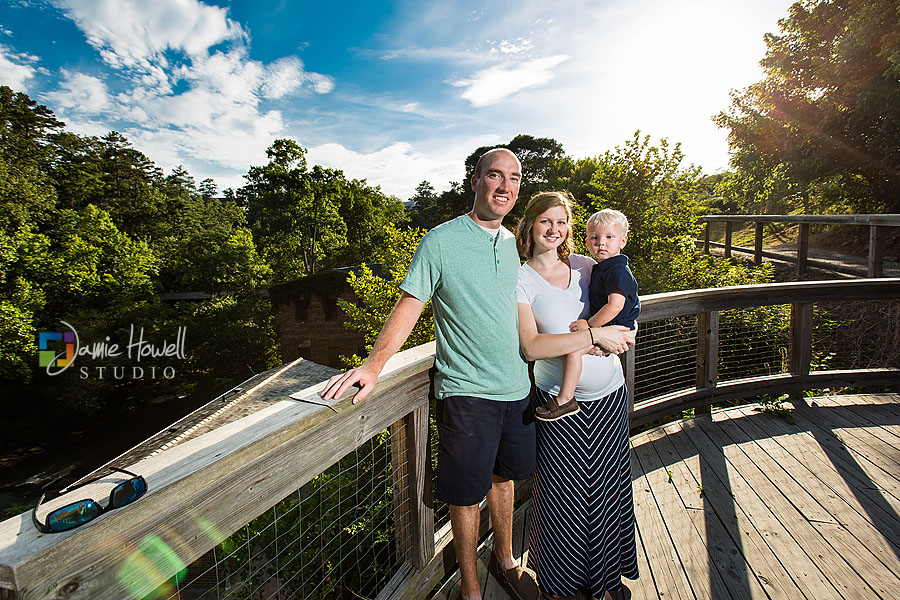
x,y
582,534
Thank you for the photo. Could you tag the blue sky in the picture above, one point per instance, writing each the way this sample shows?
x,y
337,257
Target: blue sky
x,y
395,93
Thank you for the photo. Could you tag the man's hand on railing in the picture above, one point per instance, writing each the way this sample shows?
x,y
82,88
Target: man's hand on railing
x,y
338,385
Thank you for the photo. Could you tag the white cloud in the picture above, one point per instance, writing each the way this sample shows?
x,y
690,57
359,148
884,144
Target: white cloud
x,y
398,168
219,120
135,33
431,54
282,77
492,85
80,93
15,69
322,84
519,46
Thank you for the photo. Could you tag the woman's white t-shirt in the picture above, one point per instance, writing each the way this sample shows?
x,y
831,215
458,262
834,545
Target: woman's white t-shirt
x,y
554,309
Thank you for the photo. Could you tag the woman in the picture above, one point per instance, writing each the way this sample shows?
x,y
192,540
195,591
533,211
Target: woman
x,y
582,529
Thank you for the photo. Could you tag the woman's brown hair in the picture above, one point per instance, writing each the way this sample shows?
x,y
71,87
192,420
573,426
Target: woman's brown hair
x,y
538,205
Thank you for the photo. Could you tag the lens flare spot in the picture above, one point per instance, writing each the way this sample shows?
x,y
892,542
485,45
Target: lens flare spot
x,y
152,563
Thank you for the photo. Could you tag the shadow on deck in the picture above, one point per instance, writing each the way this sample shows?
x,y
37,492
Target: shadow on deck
x,y
744,504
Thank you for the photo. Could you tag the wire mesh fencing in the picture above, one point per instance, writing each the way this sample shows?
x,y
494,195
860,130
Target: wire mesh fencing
x,y
441,509
754,342
332,538
665,356
856,335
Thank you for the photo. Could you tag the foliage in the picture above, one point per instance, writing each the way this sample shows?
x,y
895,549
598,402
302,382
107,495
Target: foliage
x,y
306,219
377,294
244,342
333,538
820,131
426,207
92,232
659,197
539,158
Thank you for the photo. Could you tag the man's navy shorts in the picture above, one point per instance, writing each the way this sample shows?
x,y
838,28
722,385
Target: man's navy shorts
x,y
478,438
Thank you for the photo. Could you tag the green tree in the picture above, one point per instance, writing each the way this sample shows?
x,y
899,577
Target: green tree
x,y
822,130
208,188
293,212
378,293
305,219
26,128
425,206
660,198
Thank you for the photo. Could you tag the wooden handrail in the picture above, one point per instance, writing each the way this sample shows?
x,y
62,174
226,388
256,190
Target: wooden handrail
x,y
708,303
876,223
674,304
203,489
886,219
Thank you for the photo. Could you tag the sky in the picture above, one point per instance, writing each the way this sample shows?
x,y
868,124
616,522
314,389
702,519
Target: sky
x,y
394,93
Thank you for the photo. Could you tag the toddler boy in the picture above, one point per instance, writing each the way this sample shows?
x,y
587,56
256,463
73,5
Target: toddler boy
x,y
613,295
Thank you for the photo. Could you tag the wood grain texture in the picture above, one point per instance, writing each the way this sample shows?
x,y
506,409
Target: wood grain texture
x,y
876,251
204,489
863,219
792,258
673,304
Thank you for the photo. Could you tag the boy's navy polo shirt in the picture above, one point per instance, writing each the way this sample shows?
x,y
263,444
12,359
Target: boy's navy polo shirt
x,y
608,276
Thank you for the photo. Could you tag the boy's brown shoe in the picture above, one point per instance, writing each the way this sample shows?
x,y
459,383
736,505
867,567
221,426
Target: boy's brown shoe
x,y
519,583
553,410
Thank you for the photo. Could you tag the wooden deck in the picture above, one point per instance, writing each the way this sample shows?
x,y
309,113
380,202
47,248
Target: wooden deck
x,y
746,504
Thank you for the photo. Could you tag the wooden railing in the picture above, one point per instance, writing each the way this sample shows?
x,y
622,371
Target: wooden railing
x,y
206,488
877,224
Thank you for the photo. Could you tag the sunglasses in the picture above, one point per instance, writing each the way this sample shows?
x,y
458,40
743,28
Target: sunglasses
x,y
78,513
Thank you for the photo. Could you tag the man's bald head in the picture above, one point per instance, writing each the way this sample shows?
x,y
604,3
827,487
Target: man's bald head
x,y
491,152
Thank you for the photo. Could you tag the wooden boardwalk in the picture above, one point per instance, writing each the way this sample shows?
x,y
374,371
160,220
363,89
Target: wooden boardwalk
x,y
745,504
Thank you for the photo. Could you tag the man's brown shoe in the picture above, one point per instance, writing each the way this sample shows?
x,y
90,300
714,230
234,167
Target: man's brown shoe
x,y
519,583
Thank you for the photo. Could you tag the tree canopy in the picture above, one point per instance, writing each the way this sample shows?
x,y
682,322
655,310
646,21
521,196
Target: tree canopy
x,y
92,232
306,219
821,131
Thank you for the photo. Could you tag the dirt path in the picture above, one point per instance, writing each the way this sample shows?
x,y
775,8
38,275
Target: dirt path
x,y
859,263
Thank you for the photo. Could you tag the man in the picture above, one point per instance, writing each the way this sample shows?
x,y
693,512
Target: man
x,y
468,267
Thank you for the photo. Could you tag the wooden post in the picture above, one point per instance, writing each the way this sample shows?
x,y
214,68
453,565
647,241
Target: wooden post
x,y
629,377
801,337
706,236
758,245
707,354
413,508
876,251
728,227
422,503
802,250
402,485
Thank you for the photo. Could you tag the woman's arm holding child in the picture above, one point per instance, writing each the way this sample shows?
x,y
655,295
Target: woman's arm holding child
x,y
613,339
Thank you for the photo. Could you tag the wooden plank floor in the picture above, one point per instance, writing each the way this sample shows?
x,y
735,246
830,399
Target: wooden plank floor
x,y
748,505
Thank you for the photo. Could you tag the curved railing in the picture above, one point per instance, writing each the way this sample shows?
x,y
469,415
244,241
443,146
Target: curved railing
x,y
228,514
707,307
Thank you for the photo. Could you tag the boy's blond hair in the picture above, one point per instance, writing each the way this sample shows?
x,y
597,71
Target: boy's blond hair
x,y
608,216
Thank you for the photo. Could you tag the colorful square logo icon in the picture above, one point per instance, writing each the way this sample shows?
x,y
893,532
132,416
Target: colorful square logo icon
x,y
52,358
